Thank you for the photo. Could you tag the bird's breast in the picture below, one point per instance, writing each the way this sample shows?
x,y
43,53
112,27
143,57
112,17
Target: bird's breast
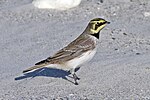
x,y
83,58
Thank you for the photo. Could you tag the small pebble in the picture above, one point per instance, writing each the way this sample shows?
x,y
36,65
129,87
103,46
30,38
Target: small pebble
x,y
71,94
138,53
101,1
146,14
116,49
124,33
113,38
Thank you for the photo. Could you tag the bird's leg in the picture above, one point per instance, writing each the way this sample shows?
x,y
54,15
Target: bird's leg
x,y
74,76
75,79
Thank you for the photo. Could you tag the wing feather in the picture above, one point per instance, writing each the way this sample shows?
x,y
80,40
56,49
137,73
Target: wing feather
x,y
74,49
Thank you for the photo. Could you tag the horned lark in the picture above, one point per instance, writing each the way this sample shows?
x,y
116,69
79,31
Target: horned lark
x,y
77,52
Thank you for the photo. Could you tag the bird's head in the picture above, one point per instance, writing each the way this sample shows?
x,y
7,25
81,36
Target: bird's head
x,y
95,26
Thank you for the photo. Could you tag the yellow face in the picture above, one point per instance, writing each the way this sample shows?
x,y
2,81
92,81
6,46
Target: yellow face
x,y
97,24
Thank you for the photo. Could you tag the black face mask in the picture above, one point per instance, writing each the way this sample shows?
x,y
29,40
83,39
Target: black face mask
x,y
96,35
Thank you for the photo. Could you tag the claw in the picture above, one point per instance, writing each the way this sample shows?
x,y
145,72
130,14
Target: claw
x,y
76,83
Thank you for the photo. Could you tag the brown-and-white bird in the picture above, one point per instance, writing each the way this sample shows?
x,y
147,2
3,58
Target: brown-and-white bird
x,y
77,52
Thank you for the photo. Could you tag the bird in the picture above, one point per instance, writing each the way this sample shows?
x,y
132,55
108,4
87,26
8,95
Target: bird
x,y
56,4
76,53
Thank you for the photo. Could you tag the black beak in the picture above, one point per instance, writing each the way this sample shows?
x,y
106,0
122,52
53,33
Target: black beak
x,y
108,22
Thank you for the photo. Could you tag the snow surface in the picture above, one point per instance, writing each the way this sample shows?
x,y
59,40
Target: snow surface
x,y
56,4
120,70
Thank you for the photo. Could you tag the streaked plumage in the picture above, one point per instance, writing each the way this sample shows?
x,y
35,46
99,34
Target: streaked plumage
x,y
77,52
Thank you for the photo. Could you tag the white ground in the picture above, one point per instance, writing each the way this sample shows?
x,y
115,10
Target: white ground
x,y
119,71
56,4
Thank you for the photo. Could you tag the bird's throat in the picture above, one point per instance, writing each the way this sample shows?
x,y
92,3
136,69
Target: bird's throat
x,y
96,35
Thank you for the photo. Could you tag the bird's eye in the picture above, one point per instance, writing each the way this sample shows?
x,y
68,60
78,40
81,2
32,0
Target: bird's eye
x,y
100,23
97,23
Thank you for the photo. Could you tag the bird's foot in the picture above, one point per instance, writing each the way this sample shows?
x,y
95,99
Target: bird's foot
x,y
76,78
76,83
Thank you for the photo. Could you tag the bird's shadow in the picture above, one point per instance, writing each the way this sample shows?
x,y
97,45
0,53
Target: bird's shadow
x,y
47,72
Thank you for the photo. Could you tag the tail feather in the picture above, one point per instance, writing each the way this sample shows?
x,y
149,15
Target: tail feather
x,y
34,68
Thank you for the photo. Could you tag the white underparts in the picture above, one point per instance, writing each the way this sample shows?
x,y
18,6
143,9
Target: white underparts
x,y
74,63
85,57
